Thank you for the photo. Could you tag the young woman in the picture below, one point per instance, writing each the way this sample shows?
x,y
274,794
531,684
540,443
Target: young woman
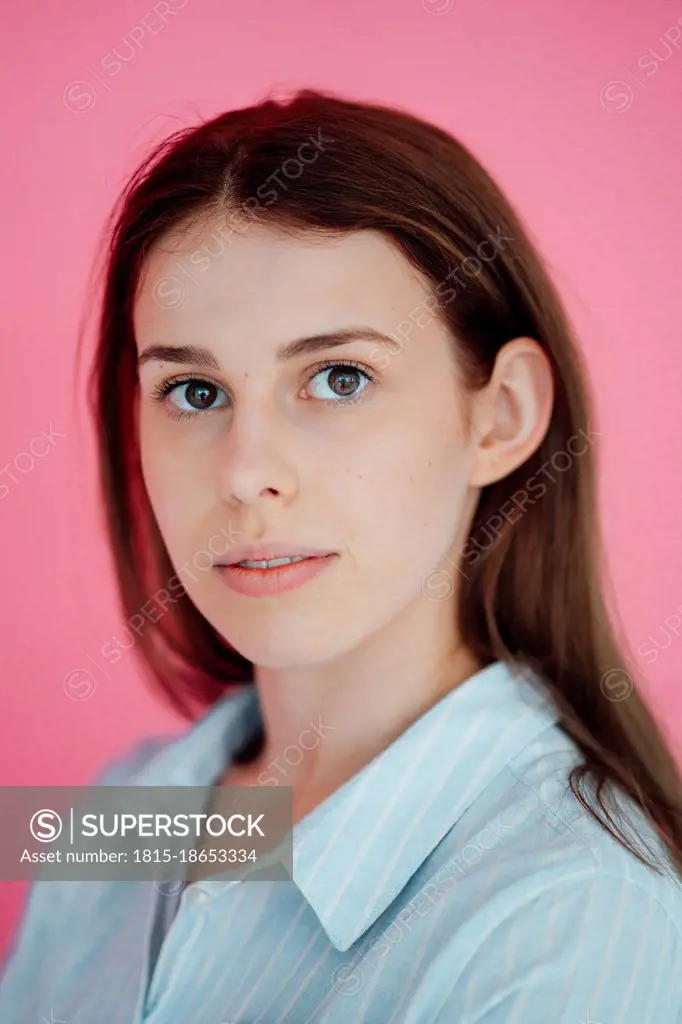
x,y
326,337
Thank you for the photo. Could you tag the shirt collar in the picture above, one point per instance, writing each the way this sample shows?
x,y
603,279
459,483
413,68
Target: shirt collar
x,y
354,853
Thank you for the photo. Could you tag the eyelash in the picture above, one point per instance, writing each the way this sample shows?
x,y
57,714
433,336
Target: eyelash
x,y
161,391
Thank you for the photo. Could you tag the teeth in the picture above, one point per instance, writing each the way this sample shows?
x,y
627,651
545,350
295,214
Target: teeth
x,y
272,562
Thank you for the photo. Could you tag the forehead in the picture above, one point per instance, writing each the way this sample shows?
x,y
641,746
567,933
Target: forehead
x,y
265,283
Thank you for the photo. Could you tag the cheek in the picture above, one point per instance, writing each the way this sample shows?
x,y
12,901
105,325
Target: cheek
x,y
178,500
410,496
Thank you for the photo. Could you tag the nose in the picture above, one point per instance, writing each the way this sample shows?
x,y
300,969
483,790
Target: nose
x,y
256,461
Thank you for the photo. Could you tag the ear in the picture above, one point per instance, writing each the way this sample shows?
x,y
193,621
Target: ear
x,y
511,414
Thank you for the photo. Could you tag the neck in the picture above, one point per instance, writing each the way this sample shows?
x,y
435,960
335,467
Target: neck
x,y
324,723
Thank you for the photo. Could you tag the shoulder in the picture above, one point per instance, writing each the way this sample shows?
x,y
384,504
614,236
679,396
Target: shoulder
x,y
556,918
586,947
122,769
50,904
544,790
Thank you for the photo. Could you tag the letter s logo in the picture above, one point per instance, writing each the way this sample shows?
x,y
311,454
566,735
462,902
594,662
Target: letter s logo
x,y
45,825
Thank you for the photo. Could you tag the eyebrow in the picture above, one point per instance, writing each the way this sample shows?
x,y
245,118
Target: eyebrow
x,y
301,346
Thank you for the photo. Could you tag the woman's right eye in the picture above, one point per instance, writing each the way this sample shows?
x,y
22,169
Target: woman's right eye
x,y
190,396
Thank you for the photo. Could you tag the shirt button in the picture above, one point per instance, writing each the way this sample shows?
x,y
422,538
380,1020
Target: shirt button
x,y
197,895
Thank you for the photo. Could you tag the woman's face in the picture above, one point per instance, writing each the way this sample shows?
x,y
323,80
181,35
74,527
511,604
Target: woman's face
x,y
366,456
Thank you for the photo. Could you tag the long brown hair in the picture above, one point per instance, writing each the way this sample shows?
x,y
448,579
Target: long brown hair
x,y
531,588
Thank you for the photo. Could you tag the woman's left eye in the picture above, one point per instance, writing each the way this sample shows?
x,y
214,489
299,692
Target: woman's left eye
x,y
340,382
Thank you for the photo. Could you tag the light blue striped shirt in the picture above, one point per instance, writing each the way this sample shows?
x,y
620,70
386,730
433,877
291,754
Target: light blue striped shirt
x,y
455,879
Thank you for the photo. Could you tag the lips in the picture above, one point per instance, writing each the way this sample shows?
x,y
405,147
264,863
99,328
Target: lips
x,y
255,582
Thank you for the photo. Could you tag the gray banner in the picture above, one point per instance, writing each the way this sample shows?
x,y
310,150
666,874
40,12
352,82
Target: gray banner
x,y
165,833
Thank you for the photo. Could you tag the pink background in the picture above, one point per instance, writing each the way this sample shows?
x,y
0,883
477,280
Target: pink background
x,y
571,105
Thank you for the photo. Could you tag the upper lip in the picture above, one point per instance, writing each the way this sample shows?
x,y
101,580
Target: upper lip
x,y
264,552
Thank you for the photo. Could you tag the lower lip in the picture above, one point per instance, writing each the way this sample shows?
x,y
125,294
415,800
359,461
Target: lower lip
x,y
265,582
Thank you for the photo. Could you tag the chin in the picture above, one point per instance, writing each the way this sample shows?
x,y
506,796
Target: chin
x,y
280,642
